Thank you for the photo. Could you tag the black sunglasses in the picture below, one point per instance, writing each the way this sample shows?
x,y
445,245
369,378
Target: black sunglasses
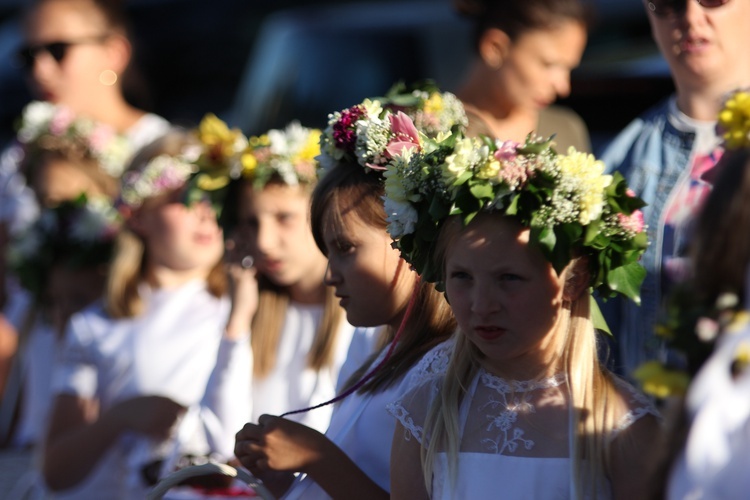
x,y
27,55
668,8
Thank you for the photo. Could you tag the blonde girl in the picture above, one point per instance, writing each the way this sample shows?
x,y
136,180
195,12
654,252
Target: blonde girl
x,y
375,287
524,408
153,372
300,337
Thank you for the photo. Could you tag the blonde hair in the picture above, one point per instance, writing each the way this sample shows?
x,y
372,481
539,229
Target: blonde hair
x,y
269,320
591,389
349,188
128,268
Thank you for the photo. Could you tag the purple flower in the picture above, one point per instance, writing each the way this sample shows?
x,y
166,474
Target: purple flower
x,y
345,130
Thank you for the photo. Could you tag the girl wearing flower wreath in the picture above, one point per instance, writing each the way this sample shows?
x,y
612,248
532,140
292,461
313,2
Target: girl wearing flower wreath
x,y
526,50
77,55
518,236
153,372
300,338
376,287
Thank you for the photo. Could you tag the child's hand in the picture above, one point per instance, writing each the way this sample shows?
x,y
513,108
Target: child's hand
x,y
153,416
279,444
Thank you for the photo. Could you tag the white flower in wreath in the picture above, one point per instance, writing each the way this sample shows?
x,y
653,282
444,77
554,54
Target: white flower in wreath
x,y
402,218
35,120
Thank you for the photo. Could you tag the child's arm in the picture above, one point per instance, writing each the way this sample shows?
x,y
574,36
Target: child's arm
x,y
630,467
79,436
283,445
407,477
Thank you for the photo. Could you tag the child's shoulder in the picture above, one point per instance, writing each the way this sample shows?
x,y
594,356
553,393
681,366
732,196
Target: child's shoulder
x,y
432,365
630,405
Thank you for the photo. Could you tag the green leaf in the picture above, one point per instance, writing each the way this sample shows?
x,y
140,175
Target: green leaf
x,y
482,191
597,318
627,280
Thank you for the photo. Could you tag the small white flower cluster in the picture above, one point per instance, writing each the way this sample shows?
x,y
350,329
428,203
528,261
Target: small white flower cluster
x,y
103,143
290,153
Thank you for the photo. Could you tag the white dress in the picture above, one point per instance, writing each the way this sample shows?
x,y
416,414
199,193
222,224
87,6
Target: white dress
x,y
174,349
715,462
362,428
292,384
514,436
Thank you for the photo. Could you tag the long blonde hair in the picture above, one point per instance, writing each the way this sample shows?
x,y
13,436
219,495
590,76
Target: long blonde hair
x,y
591,390
273,302
128,268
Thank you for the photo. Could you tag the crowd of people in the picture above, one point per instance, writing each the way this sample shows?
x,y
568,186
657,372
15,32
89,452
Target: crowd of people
x,y
413,302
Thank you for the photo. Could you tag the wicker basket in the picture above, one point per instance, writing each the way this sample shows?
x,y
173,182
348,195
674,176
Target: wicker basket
x,y
206,469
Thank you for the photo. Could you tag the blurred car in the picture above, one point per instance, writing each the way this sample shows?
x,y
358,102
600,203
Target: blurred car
x,y
308,62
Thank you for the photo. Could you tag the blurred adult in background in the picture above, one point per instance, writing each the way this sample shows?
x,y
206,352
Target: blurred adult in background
x,y
667,154
526,50
76,53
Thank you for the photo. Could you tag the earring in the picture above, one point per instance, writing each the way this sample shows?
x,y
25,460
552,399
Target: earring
x,y
108,77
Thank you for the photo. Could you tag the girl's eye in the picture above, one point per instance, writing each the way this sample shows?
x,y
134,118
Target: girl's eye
x,y
460,275
284,218
510,277
344,247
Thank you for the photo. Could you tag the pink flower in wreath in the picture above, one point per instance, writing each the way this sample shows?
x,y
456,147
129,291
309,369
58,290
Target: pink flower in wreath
x,y
506,151
405,135
634,222
61,121
100,137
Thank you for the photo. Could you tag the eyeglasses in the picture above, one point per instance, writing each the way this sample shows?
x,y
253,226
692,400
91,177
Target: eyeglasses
x,y
27,55
669,8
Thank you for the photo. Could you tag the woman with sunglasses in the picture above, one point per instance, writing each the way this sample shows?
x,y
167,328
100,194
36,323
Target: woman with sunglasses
x,y
667,155
75,54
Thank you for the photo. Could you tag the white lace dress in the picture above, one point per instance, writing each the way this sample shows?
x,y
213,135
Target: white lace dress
x,y
514,435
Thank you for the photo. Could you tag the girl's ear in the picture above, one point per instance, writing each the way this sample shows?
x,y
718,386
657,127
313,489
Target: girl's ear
x,y
577,278
119,52
494,46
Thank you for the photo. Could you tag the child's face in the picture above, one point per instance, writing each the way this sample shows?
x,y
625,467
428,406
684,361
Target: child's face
x,y
274,224
179,237
372,281
506,297
57,180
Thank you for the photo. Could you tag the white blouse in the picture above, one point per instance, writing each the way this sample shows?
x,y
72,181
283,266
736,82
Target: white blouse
x,y
292,384
362,428
174,349
514,434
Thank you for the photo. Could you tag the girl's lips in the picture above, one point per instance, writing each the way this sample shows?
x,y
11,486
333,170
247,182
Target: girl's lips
x,y
270,265
489,332
692,44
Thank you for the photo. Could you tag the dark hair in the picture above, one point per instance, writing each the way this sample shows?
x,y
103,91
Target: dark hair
x,y
515,17
346,188
112,11
721,247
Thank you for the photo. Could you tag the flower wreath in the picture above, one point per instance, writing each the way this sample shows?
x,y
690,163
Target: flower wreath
x,y
77,234
376,130
288,154
569,206
43,124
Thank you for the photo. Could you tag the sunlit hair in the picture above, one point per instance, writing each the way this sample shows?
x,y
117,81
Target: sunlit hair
x,y
350,189
273,302
516,17
128,268
593,395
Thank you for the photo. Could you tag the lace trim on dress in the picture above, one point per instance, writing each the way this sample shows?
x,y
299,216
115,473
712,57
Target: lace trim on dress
x,y
510,437
433,364
403,416
640,407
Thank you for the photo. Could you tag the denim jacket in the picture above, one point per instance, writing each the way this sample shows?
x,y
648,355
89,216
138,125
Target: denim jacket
x,y
653,156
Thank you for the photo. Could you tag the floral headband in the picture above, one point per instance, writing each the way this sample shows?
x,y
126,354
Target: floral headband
x,y
289,154
42,122
374,131
734,120
76,234
565,200
204,168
